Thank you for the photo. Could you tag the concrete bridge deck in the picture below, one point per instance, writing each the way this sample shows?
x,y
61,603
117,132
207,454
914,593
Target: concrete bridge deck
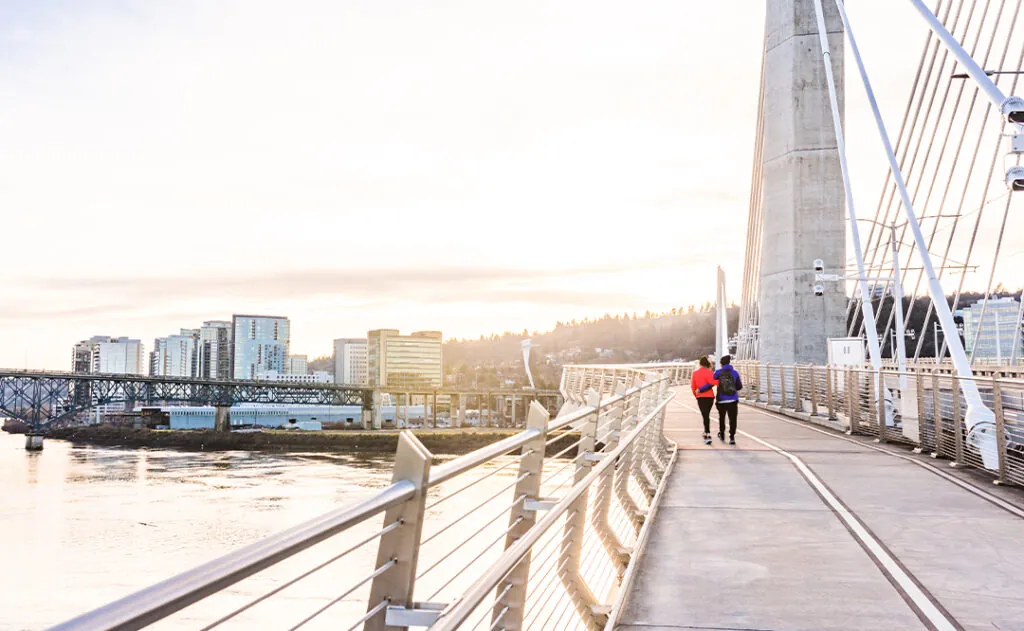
x,y
834,535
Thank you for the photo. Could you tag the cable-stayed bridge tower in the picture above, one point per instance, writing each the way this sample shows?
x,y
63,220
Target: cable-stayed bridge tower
x,y
797,211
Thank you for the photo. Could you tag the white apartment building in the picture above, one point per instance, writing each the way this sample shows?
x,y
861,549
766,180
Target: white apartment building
x,y
175,355
350,361
297,365
109,355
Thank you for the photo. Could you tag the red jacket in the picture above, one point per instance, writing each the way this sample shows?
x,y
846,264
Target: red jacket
x,y
702,377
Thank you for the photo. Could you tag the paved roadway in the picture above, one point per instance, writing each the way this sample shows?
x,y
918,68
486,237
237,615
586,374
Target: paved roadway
x,y
748,538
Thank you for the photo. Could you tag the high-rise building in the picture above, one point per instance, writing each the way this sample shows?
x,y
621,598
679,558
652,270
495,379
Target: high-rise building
x,y
102,354
297,365
404,361
81,357
259,344
997,332
350,361
175,355
214,350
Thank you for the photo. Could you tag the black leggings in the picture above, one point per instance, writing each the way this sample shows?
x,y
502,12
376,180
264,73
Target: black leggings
x,y
730,410
705,404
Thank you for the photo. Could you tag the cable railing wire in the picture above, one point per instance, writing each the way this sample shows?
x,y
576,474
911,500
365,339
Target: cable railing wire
x,y
479,505
380,570
466,540
317,568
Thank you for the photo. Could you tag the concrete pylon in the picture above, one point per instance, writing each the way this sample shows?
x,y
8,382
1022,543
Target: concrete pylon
x,y
803,198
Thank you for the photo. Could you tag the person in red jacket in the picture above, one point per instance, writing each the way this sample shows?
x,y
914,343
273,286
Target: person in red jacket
x,y
704,377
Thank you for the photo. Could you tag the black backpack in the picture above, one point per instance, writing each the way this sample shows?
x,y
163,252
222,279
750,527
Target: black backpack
x,y
726,383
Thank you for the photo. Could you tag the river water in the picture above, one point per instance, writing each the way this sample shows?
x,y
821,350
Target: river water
x,y
81,526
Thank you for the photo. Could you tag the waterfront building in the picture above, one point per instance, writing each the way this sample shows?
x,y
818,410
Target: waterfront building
x,y
350,365
276,416
259,344
996,332
214,351
175,355
109,355
320,376
81,357
404,361
297,365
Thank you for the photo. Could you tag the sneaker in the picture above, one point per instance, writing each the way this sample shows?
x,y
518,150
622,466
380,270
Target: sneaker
x,y
721,436
707,439
732,440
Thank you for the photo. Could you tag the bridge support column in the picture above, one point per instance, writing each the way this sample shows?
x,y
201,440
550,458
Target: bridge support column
x,y
460,420
33,442
222,418
803,216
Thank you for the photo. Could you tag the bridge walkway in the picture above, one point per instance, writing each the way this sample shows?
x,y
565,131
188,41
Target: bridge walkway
x,y
748,539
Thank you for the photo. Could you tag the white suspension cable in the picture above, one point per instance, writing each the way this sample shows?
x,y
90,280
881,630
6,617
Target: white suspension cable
x,y
837,123
977,413
1011,106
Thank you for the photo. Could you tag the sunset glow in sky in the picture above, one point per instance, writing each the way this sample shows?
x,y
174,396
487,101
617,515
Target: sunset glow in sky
x,y
469,166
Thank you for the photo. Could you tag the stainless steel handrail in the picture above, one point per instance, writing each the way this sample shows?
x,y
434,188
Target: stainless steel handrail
x,y
161,600
460,611
649,398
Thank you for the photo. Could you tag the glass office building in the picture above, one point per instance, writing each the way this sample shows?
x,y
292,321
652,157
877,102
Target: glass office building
x,y
214,356
260,345
998,333
404,361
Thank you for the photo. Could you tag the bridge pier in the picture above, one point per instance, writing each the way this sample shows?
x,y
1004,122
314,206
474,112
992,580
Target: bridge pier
x,y
222,418
33,442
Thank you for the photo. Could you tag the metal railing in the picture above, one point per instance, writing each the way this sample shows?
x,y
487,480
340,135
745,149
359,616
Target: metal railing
x,y
923,408
543,539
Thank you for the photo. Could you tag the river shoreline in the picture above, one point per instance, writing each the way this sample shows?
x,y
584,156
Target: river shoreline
x,y
437,441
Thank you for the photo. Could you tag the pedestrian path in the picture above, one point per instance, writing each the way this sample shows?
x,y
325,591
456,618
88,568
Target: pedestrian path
x,y
796,528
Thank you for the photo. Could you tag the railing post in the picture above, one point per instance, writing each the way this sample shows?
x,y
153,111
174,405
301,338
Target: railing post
x,y
401,545
601,518
575,525
814,390
782,387
919,378
997,407
521,519
958,433
880,410
936,415
852,394
624,470
830,392
872,407
798,405
768,381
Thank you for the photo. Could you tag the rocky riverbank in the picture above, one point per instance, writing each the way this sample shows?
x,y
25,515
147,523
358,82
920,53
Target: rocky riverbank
x,y
438,441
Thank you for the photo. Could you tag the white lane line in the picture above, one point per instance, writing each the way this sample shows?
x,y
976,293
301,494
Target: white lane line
x,y
983,494
921,600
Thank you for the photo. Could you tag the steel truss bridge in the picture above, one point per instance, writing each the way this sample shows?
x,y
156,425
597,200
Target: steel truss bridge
x,y
44,399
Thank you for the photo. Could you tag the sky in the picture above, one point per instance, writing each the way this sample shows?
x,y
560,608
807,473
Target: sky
x,y
465,166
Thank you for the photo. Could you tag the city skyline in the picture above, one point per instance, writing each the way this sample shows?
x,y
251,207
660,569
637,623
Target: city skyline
x,y
506,176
